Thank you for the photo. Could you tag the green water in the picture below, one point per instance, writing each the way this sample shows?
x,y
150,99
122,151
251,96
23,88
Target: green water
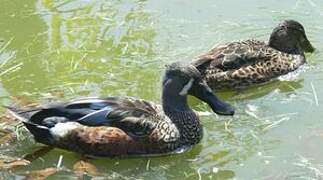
x,y
68,49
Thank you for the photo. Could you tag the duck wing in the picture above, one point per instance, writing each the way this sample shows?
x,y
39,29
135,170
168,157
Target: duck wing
x,y
136,117
241,64
234,55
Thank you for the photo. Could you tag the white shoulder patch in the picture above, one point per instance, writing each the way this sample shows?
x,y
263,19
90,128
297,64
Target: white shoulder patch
x,y
61,129
187,87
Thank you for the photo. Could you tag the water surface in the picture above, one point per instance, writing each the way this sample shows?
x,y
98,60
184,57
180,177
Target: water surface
x,y
69,49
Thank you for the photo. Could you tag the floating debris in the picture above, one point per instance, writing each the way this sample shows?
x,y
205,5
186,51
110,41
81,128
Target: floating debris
x,y
314,94
148,165
7,162
57,93
60,161
10,129
7,137
219,155
199,174
7,119
275,123
215,170
39,153
227,124
44,173
83,167
11,69
204,113
23,101
252,108
306,163
6,45
41,174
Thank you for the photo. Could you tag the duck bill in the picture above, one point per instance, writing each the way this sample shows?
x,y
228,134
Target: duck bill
x,y
218,106
306,45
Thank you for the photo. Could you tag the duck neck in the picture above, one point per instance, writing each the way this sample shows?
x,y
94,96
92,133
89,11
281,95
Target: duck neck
x,y
185,119
289,50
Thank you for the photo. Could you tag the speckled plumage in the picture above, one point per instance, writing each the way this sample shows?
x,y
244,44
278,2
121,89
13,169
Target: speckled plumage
x,y
130,126
118,126
243,63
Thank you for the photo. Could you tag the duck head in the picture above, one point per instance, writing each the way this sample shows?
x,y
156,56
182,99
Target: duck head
x,y
289,37
182,80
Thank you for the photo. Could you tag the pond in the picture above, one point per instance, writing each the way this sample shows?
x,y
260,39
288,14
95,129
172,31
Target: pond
x,y
68,49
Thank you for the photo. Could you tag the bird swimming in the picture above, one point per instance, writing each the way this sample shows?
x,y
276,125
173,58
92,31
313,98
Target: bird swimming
x,y
244,63
121,126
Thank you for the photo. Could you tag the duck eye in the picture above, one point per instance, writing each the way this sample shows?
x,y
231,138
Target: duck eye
x,y
298,29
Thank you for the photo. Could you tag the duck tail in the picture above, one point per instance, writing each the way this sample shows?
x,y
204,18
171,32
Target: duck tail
x,y
41,133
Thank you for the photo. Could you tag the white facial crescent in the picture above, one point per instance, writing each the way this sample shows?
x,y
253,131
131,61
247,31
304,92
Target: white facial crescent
x,y
187,87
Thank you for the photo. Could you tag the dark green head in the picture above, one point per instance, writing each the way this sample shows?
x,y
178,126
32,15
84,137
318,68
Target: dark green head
x,y
182,80
289,36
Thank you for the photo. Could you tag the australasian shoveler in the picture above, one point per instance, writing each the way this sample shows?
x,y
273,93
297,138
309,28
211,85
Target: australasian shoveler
x,y
241,64
119,126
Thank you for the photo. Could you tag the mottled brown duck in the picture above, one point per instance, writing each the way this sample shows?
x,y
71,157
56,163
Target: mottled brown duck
x,y
244,63
120,126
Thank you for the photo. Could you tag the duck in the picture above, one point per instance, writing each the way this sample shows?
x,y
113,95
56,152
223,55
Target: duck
x,y
241,64
122,126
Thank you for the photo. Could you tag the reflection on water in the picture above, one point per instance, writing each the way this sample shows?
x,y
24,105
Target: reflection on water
x,y
87,48
67,49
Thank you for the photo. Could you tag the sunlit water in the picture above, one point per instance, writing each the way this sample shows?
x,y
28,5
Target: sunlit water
x,y
69,49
